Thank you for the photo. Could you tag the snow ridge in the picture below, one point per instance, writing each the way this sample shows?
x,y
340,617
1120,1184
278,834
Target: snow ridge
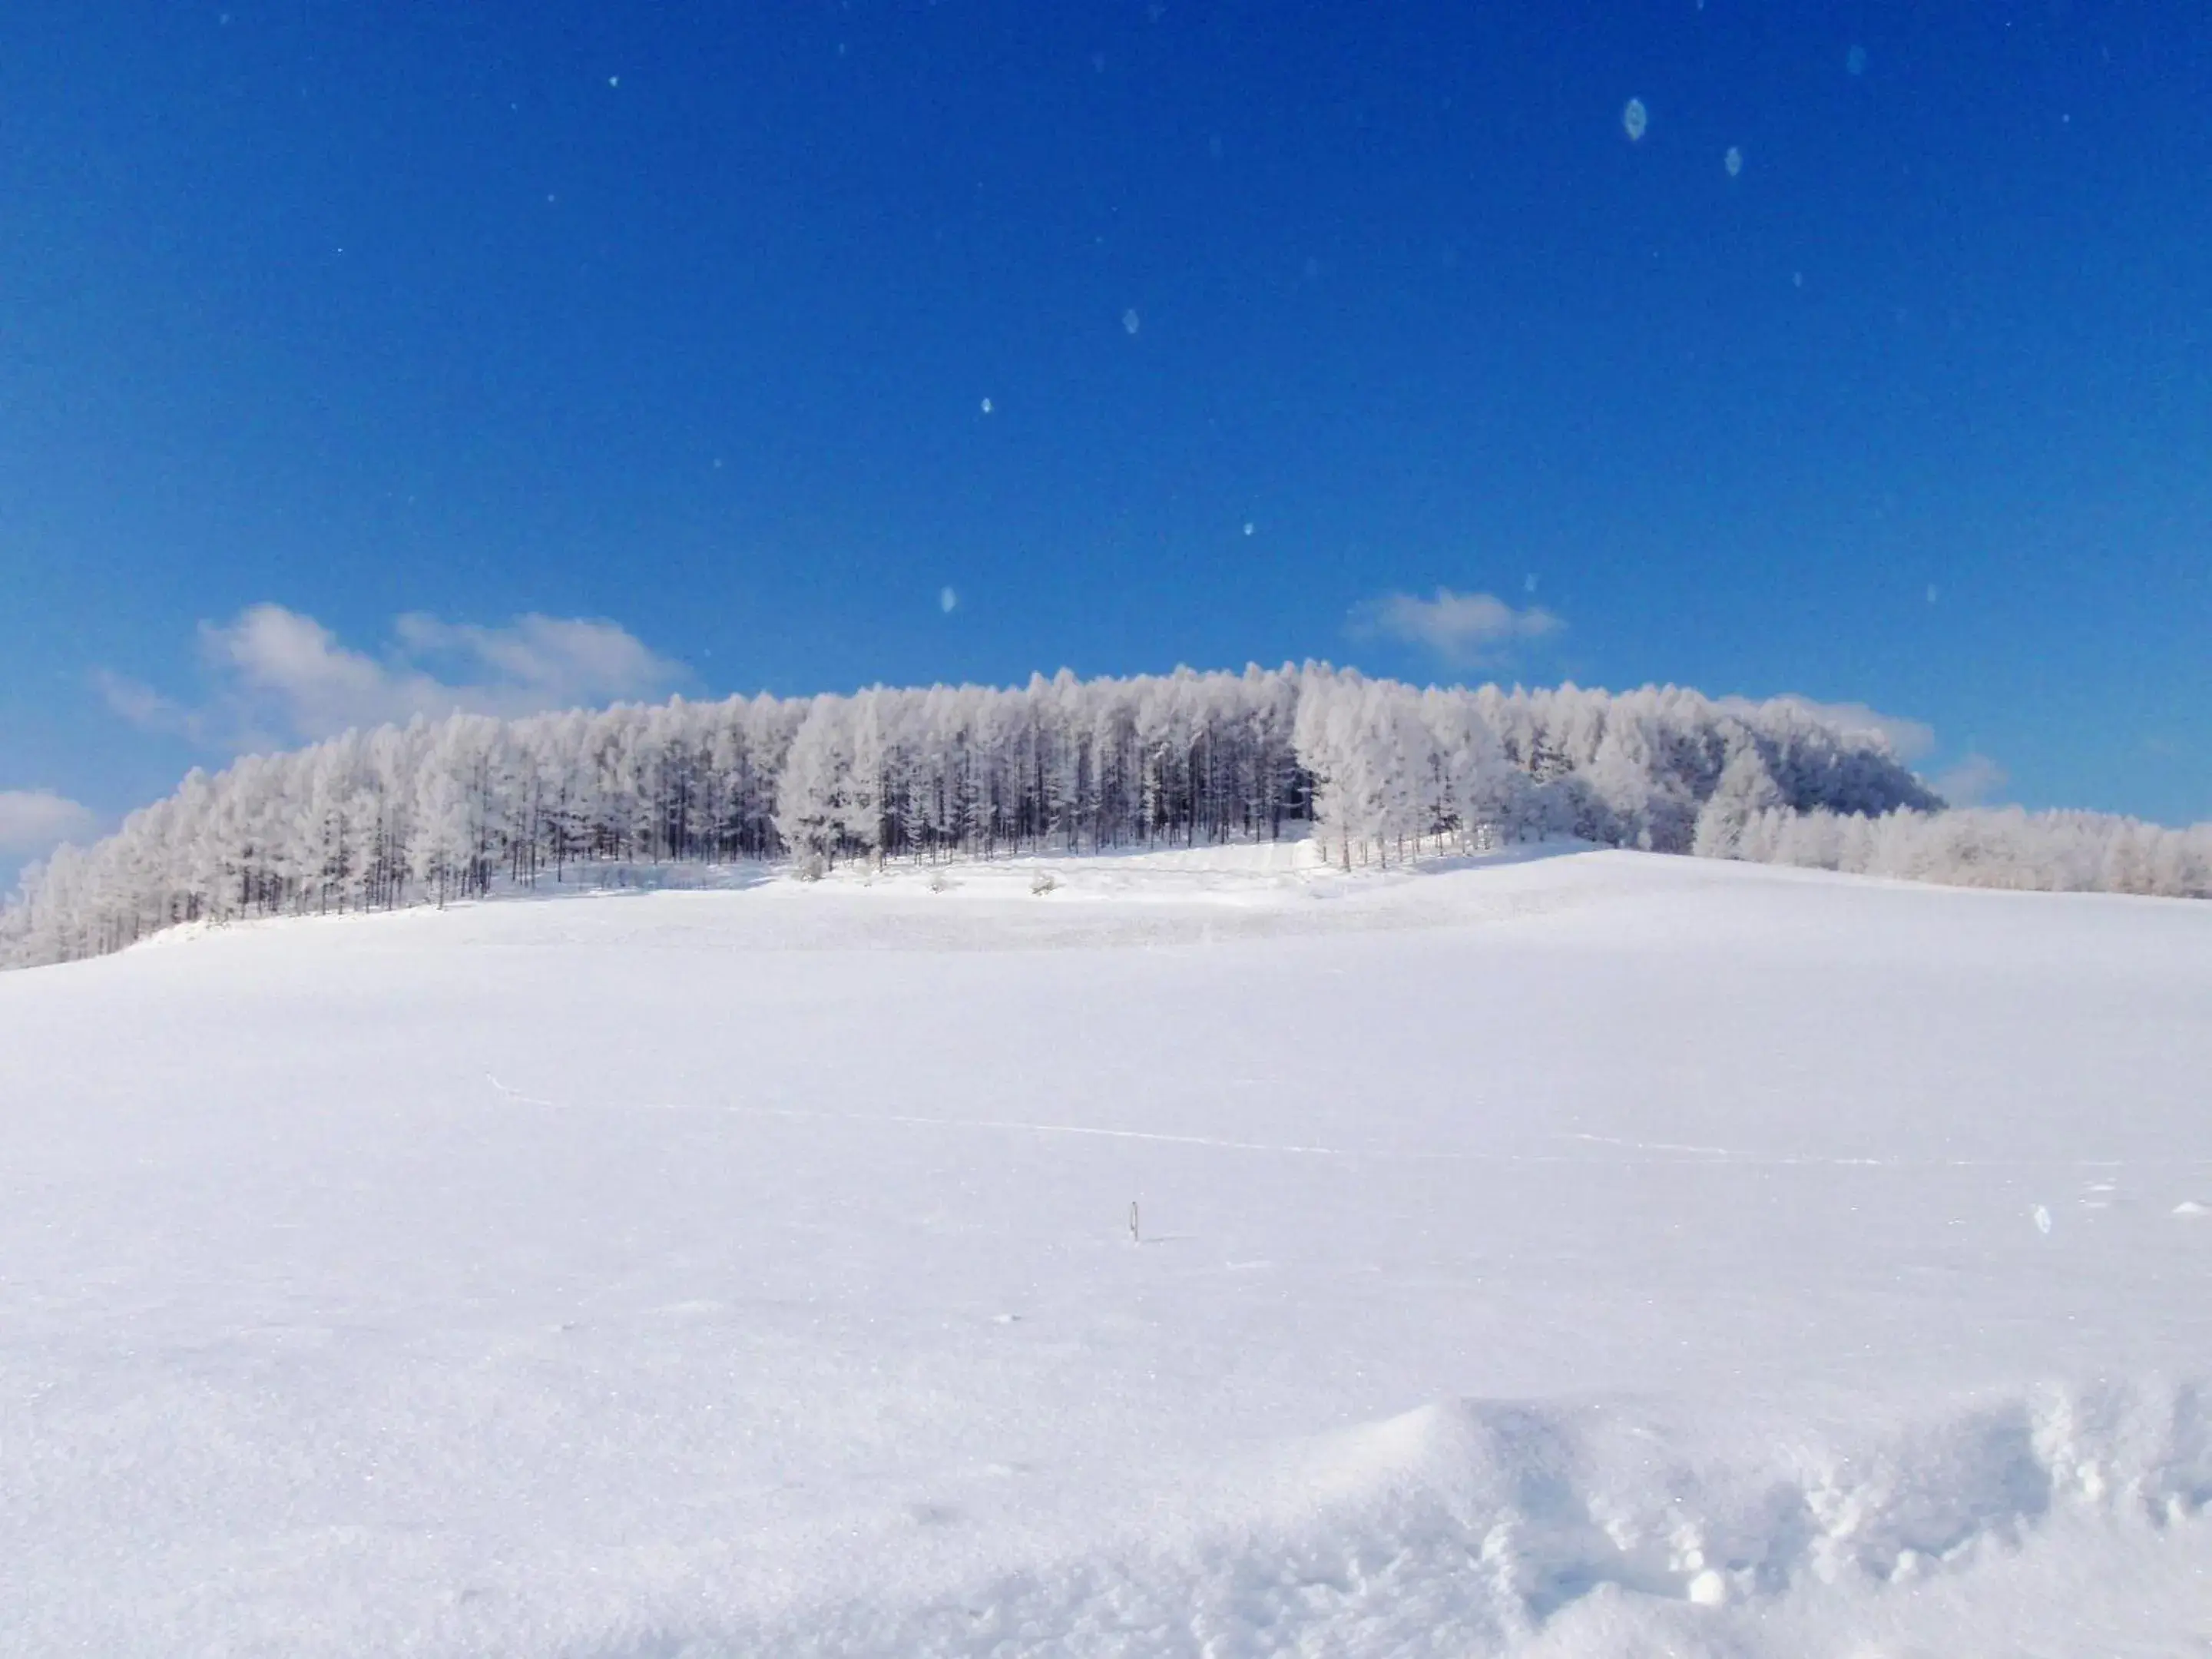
x,y
1476,1527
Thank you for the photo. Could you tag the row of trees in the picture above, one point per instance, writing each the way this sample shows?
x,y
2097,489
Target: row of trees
x,y
468,805
2002,846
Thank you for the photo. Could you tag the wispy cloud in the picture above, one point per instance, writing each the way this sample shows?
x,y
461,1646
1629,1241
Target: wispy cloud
x,y
1975,779
36,821
1970,780
1910,739
277,675
146,708
1466,630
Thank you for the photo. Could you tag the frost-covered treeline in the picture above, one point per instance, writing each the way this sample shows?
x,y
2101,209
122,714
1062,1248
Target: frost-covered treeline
x,y
1378,769
2003,847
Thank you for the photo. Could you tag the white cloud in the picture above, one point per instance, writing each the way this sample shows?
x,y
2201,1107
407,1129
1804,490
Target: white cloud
x,y
1973,781
146,708
542,661
278,674
36,821
1463,629
1909,740
947,600
293,665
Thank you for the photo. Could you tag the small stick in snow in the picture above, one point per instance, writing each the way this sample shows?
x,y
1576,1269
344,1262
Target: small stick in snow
x,y
1135,1238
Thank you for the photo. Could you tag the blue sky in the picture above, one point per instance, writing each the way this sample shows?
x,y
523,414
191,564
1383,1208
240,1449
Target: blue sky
x,y
354,359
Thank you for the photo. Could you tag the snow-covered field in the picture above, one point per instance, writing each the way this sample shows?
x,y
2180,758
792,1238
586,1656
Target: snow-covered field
x,y
1592,1254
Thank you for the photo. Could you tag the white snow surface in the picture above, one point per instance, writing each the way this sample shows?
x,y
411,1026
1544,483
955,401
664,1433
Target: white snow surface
x,y
1586,1254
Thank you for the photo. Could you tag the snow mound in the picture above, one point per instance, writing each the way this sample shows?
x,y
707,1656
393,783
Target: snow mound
x,y
1474,1527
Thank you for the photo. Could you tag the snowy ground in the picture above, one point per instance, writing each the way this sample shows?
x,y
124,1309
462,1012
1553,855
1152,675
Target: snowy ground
x,y
1595,1254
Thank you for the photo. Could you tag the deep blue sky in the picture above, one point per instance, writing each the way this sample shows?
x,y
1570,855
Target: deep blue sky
x,y
682,317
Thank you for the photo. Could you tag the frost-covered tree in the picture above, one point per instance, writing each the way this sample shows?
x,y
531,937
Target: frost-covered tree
x,y
810,798
1746,790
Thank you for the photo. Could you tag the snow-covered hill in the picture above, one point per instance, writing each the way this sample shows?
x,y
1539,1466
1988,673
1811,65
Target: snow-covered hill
x,y
1594,1254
